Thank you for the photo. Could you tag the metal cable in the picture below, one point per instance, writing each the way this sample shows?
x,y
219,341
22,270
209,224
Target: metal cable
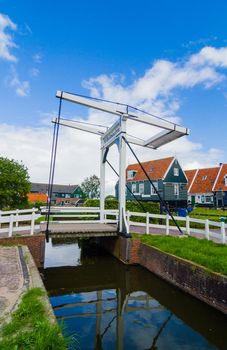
x,y
128,188
152,184
52,168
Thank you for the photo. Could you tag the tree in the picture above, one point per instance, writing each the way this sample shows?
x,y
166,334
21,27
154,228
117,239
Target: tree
x,y
91,186
14,184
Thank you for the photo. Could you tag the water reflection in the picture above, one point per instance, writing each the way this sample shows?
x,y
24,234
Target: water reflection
x,y
109,305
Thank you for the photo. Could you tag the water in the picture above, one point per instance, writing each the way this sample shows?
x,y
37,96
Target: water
x,y
107,305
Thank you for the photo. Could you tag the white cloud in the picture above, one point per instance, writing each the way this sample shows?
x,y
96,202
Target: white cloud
x,y
6,40
78,153
34,72
37,57
210,56
22,88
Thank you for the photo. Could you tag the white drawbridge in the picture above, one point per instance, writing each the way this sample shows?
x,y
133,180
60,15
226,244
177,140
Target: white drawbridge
x,y
117,134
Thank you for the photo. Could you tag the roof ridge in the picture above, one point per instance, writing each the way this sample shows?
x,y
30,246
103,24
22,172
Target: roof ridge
x,y
218,174
153,160
194,177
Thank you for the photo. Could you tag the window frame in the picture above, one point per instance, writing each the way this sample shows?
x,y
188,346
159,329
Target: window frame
x,y
176,171
141,185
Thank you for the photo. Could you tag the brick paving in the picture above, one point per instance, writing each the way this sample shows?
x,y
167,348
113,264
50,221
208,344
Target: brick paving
x,y
11,279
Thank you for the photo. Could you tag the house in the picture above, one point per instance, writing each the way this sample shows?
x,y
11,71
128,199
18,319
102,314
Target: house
x,y
168,177
37,197
61,194
200,185
208,186
220,187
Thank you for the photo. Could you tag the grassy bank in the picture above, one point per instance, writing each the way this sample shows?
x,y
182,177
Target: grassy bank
x,y
206,253
30,327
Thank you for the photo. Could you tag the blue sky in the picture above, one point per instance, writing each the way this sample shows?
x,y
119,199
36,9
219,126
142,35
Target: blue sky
x,y
169,57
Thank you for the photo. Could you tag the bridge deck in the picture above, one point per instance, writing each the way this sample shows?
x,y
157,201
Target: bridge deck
x,y
84,230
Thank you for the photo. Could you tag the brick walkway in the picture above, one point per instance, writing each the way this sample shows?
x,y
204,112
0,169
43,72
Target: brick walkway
x,y
12,283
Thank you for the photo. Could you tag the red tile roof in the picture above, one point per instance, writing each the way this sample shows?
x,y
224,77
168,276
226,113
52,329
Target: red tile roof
x,y
220,182
190,176
37,197
203,181
156,169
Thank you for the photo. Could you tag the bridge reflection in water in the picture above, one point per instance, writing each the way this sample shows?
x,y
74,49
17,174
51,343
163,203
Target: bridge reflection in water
x,y
109,305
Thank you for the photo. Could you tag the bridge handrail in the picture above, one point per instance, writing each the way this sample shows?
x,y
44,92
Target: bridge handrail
x,y
11,221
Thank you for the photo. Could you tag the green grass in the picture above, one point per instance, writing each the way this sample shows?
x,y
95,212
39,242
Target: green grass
x,y
30,327
206,213
212,256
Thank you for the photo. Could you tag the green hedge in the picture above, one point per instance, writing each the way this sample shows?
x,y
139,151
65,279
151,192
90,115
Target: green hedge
x,y
150,207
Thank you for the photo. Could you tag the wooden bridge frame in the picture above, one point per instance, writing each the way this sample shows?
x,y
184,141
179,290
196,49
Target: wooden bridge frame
x,y
117,134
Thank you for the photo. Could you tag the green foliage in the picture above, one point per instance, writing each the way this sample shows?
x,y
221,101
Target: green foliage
x,y
30,327
208,254
110,198
14,184
150,207
37,204
91,186
206,213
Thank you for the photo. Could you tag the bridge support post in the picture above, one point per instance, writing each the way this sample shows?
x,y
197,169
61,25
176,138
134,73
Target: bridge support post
x,y
122,179
102,185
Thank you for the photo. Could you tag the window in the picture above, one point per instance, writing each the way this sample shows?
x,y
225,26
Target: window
x,y
176,171
141,188
152,189
176,189
67,195
131,174
225,178
202,198
208,199
204,177
133,188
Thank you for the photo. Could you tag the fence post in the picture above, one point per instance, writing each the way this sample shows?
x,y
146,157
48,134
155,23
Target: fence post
x,y
147,223
167,224
17,214
11,225
223,232
207,231
188,225
33,221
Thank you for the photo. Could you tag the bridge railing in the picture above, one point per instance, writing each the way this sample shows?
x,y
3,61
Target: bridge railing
x,y
18,221
74,215
190,226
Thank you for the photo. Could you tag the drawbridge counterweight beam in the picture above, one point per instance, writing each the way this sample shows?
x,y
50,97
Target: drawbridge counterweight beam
x,y
117,134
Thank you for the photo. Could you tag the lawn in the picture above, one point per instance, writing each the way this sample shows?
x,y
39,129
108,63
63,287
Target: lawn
x,y
206,213
212,256
30,327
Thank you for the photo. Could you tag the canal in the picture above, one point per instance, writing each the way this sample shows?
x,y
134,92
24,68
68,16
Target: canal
x,y
105,304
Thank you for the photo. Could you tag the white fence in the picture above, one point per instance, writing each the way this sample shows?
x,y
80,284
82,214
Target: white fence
x,y
210,229
18,221
82,215
23,221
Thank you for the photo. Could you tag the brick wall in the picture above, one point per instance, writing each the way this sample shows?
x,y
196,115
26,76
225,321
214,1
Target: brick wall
x,y
195,280
206,286
36,245
126,250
